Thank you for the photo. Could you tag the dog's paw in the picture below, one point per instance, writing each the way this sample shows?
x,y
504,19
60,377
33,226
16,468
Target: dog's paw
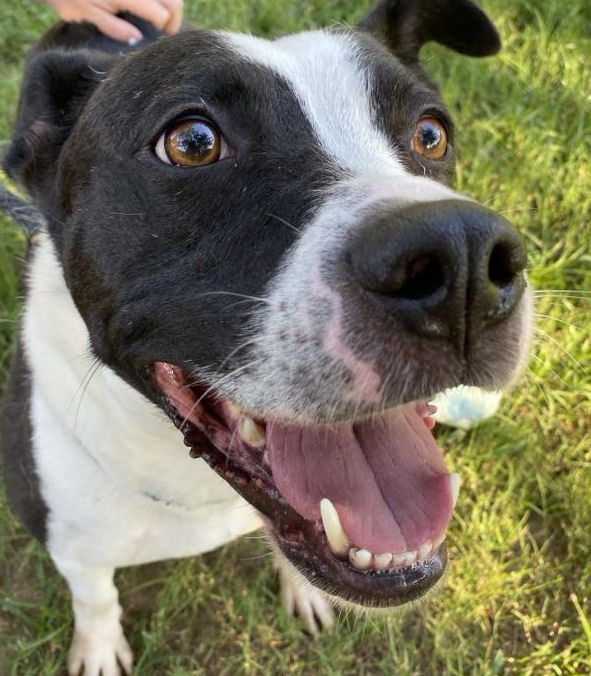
x,y
100,655
301,599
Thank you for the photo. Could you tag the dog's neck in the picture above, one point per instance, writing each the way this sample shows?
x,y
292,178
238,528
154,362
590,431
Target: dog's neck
x,y
129,437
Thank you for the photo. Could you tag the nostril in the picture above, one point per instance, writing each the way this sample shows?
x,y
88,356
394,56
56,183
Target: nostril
x,y
424,277
501,267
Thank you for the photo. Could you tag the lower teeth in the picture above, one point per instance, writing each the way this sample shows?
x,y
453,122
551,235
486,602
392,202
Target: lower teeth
x,y
363,559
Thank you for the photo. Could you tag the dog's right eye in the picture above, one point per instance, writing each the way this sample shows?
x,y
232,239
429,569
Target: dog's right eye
x,y
189,143
430,138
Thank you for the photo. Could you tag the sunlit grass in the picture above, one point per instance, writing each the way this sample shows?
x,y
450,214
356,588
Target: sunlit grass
x,y
517,597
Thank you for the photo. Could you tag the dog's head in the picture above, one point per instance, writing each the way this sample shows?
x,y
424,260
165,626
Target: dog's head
x,y
262,238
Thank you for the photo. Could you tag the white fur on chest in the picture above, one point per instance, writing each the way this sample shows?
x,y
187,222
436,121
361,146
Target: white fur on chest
x,y
119,483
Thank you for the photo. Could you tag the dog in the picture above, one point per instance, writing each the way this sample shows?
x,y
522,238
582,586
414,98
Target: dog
x,y
253,247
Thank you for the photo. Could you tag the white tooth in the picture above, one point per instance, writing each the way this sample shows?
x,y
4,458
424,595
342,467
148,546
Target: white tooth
x,y
404,559
424,550
233,409
398,559
266,458
252,433
382,561
437,543
360,558
336,536
454,482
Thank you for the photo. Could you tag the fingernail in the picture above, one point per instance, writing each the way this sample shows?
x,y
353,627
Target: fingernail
x,y
135,36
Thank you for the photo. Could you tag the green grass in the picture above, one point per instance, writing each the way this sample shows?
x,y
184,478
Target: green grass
x,y
517,597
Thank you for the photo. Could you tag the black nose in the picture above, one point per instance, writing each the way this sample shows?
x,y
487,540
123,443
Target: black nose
x,y
444,269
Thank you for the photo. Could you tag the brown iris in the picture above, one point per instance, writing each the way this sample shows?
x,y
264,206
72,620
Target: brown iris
x,y
430,139
192,143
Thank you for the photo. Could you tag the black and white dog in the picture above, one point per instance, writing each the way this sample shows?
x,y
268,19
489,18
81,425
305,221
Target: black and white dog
x,y
258,241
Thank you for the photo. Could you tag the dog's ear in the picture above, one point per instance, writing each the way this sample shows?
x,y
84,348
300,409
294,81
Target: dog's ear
x,y
406,25
56,86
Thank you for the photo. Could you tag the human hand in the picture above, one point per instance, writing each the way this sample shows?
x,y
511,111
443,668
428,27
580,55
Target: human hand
x,y
164,14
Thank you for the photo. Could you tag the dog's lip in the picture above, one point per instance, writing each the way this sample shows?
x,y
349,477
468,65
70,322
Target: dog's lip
x,y
374,589
302,541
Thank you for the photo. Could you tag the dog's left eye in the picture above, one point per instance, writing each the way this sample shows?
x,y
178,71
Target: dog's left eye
x,y
189,143
430,139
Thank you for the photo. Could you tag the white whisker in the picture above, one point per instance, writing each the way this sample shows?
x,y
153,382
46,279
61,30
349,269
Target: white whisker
x,y
556,319
232,293
558,344
289,225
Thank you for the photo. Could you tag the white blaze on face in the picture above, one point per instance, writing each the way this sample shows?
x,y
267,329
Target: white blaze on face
x,y
325,73
328,76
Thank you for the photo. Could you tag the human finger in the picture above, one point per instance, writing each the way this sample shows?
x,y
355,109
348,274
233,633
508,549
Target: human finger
x,y
150,10
113,26
175,7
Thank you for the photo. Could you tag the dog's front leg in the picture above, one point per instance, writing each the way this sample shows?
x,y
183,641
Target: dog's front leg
x,y
99,646
302,599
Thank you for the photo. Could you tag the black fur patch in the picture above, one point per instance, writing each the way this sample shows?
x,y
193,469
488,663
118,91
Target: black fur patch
x,y
402,93
20,472
406,25
145,245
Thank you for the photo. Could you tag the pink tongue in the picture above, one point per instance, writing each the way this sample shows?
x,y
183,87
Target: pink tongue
x,y
386,477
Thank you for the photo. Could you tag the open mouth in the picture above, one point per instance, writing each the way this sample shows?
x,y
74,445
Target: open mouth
x,y
360,508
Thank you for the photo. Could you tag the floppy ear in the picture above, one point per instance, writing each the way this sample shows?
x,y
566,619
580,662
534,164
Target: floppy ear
x,y
56,86
406,25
